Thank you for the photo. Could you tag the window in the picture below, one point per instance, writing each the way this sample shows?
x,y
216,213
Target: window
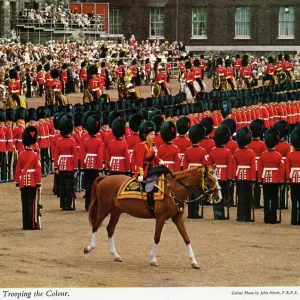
x,y
199,21
286,21
242,22
157,22
115,21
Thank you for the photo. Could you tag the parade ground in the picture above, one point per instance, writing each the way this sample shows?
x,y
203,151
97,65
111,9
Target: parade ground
x,y
230,253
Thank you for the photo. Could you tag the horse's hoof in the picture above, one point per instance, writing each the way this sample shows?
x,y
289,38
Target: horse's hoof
x,y
118,259
86,250
154,264
195,266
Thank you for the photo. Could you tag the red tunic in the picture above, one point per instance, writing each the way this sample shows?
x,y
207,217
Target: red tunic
x,y
48,79
64,76
244,164
28,169
161,77
222,158
258,147
195,156
56,85
2,139
83,74
207,144
91,155
43,135
14,87
232,146
40,78
17,133
9,139
169,153
292,167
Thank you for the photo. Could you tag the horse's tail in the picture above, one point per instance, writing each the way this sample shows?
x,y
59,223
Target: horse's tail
x,y
94,202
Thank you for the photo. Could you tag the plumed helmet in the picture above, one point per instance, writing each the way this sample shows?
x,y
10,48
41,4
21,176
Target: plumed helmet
x,y
30,135
66,124
283,128
112,116
93,124
208,123
295,138
243,136
54,73
145,128
78,119
93,70
31,114
272,137
231,124
2,115
41,112
57,118
135,121
10,114
222,135
157,120
257,128
197,133
168,131
20,113
13,74
118,127
188,64
183,125
196,62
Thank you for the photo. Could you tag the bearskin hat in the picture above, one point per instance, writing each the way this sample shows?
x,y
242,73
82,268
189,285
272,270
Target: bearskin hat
x,y
158,121
86,106
112,116
93,124
279,56
219,61
188,65
102,65
77,108
93,69
168,131
10,114
66,124
118,127
83,64
147,61
13,74
57,118
64,66
120,62
135,122
54,73
243,136
41,112
272,137
257,128
231,124
39,68
95,106
237,56
30,135
197,133
47,67
52,110
196,62
271,60
227,62
283,128
2,115
222,135
295,138
62,108
78,119
287,57
183,125
20,113
31,114
145,128
245,61
208,123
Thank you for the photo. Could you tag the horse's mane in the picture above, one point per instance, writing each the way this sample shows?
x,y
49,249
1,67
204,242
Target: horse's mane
x,y
186,173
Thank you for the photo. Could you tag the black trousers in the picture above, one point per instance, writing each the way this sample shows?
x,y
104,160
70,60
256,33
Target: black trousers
x,y
270,191
244,200
295,196
193,207
44,160
89,176
28,196
2,169
257,193
6,167
67,193
219,213
41,90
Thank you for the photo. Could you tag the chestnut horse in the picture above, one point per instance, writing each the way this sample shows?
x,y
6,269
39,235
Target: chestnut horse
x,y
178,187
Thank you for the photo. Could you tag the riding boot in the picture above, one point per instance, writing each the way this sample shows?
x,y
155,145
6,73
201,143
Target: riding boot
x,y
193,207
219,213
150,200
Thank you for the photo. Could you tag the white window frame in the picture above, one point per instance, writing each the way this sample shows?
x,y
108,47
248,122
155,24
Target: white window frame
x,y
286,22
115,27
242,18
161,21
199,16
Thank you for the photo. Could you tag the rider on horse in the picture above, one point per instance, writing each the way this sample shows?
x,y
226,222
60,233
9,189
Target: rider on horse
x,y
56,85
161,78
95,84
198,73
14,86
189,77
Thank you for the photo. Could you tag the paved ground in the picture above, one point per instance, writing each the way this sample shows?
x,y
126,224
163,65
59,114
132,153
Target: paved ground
x,y
229,253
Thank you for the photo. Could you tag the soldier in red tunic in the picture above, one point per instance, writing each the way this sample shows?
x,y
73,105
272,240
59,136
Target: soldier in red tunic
x,y
18,130
121,71
10,118
161,78
221,158
64,77
292,166
66,162
270,73
207,143
2,144
40,79
91,156
245,174
189,77
258,147
56,85
158,121
169,69
202,65
83,77
147,71
198,74
237,65
168,152
271,173
14,86
48,77
195,156
94,83
117,160
29,177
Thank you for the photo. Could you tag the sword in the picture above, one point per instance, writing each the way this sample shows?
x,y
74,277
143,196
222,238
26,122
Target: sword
x,y
228,199
253,200
280,196
39,207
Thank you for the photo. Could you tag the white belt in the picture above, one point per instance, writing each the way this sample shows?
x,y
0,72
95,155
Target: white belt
x,y
9,140
268,169
194,165
18,140
240,168
292,171
44,137
168,162
64,156
116,158
29,170
89,155
221,166
4,141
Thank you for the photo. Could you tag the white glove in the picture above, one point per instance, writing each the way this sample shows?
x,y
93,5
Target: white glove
x,y
140,178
